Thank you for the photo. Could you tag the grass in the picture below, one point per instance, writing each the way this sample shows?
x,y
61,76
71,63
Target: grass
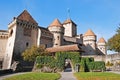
x,y
97,76
35,76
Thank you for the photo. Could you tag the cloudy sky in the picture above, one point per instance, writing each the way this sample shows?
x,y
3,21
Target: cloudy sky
x,y
102,16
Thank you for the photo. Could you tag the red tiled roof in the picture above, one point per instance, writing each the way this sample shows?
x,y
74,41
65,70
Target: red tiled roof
x,y
89,33
56,23
74,47
101,40
26,17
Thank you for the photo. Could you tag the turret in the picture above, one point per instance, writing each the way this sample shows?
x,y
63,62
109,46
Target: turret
x,y
89,40
102,45
57,30
70,28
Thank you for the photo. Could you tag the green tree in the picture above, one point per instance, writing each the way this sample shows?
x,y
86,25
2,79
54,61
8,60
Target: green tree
x,y
114,42
31,53
108,64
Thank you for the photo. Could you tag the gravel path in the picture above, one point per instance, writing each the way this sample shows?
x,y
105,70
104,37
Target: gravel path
x,y
9,75
115,72
67,76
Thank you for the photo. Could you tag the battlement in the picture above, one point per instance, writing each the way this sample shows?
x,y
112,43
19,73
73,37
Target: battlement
x,y
3,34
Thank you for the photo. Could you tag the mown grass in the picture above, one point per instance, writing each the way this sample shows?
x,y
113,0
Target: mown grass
x,y
35,76
97,76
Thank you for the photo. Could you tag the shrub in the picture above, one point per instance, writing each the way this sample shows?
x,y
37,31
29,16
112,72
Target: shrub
x,y
97,66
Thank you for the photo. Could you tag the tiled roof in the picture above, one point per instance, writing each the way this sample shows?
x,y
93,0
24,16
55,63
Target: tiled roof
x,y
89,33
101,40
74,47
68,21
26,17
56,23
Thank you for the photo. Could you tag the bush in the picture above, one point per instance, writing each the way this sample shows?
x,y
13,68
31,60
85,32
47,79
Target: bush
x,y
97,66
59,61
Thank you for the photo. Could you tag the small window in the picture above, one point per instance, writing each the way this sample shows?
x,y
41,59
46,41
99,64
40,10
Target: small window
x,y
58,37
11,32
27,44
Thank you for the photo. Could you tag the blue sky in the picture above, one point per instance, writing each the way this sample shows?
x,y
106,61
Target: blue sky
x,y
102,16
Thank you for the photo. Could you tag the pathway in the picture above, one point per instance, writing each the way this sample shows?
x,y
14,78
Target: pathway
x,y
9,75
67,76
115,72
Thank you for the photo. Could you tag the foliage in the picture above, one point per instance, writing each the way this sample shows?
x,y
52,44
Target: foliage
x,y
31,53
58,61
84,63
88,64
109,64
97,65
35,76
97,76
114,42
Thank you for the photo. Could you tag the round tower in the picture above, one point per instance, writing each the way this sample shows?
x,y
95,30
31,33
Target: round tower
x,y
89,40
102,45
58,31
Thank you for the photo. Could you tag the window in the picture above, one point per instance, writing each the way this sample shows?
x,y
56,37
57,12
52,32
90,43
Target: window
x,y
58,37
11,32
27,44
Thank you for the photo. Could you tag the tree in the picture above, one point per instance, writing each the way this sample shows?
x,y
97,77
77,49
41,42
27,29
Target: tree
x,y
114,42
108,64
31,53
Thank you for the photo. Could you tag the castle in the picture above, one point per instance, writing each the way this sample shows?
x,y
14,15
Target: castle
x,y
24,32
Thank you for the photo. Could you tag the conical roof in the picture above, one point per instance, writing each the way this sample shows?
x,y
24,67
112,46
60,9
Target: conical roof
x,y
101,40
69,21
89,33
56,23
26,17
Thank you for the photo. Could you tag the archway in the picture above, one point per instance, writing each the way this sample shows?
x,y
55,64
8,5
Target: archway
x,y
68,66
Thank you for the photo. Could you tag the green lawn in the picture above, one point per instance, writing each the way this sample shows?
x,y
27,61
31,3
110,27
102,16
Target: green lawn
x,y
97,76
35,76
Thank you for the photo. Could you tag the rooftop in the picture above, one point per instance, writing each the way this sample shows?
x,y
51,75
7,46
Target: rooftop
x,y
26,17
69,21
74,47
101,40
56,23
89,33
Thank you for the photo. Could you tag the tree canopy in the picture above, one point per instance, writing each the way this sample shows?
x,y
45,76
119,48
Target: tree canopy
x,y
31,53
114,42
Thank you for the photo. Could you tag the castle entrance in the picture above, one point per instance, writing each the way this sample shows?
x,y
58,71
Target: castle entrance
x,y
67,67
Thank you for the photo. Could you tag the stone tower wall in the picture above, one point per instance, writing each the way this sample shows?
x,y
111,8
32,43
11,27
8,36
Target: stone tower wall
x,y
90,43
10,45
26,36
22,34
3,43
70,30
102,47
58,33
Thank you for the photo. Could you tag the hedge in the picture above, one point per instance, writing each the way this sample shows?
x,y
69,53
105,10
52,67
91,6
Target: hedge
x,y
58,61
88,64
97,66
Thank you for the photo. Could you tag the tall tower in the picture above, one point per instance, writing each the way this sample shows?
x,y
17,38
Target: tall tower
x,y
89,40
101,44
58,31
22,34
70,28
